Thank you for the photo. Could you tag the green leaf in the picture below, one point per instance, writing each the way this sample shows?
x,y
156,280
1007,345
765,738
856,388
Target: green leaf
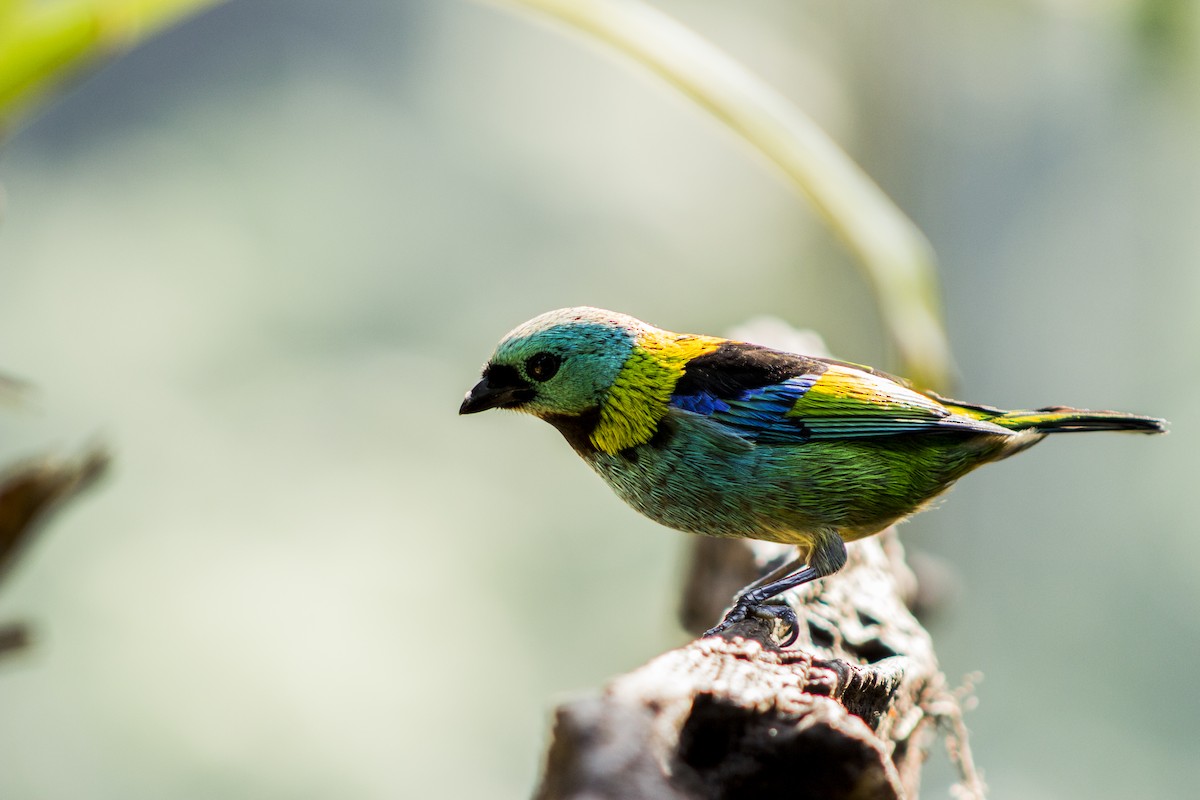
x,y
43,43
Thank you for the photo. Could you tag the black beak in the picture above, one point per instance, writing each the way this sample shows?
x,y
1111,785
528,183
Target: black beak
x,y
501,387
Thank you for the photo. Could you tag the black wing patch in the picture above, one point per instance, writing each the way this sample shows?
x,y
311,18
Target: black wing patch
x,y
735,368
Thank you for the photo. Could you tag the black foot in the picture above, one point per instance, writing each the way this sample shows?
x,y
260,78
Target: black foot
x,y
780,612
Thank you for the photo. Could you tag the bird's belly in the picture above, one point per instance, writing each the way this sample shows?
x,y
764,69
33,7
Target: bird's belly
x,y
779,493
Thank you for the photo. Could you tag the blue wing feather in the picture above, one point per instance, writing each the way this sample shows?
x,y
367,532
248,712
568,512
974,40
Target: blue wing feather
x,y
758,414
761,414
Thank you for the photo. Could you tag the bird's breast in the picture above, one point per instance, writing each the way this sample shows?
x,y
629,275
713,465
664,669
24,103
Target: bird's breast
x,y
678,492
683,480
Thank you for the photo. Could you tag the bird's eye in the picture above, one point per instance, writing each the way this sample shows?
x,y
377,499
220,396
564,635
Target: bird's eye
x,y
542,366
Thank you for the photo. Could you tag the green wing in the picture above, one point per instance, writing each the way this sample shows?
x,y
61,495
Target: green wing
x,y
847,402
771,397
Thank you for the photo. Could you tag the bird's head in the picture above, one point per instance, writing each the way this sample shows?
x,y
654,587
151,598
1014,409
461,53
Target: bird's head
x,y
559,364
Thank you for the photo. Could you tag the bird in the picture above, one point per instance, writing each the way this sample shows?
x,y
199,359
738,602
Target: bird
x,y
732,439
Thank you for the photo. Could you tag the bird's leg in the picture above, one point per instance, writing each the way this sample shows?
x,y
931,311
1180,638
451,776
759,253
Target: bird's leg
x,y
786,568
827,556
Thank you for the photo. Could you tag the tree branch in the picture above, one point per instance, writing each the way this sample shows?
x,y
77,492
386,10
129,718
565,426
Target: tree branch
x,y
850,712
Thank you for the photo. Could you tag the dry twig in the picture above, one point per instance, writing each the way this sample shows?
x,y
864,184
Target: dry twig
x,y
29,493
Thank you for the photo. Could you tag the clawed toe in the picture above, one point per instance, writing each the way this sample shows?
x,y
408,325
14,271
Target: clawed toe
x,y
736,614
773,612
784,614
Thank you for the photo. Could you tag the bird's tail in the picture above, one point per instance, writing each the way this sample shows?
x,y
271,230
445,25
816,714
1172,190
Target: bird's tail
x,y
1061,419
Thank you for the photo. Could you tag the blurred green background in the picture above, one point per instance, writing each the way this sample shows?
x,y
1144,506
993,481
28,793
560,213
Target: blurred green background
x,y
263,256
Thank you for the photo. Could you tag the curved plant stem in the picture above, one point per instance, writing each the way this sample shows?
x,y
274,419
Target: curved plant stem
x,y
896,257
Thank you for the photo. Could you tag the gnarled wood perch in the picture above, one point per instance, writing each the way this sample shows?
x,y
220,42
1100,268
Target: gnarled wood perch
x,y
849,712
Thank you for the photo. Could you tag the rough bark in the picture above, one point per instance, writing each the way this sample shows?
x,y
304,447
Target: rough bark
x,y
29,493
850,711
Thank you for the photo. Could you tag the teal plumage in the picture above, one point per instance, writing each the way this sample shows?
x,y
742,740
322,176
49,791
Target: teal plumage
x,y
726,438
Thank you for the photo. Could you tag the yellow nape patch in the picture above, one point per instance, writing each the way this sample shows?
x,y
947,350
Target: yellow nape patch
x,y
639,396
842,391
